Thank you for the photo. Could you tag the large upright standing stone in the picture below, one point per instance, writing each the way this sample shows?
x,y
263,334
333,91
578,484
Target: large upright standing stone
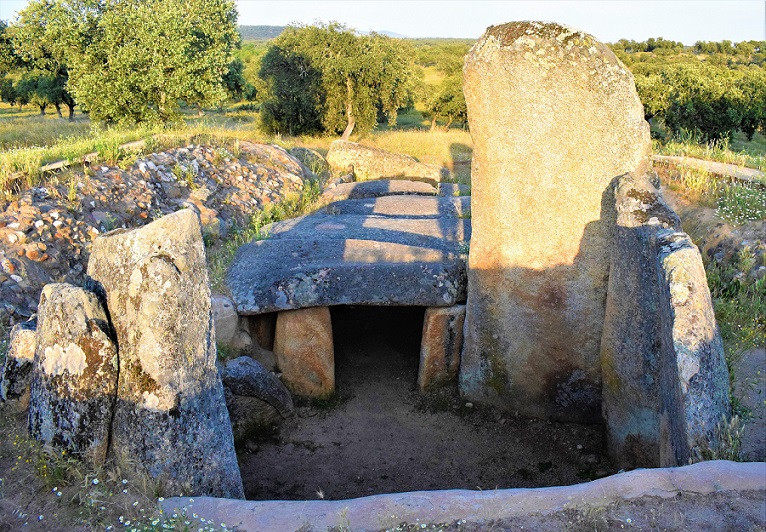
x,y
555,118
74,376
171,415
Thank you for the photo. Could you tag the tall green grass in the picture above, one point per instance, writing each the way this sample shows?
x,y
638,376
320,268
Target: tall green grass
x,y
751,154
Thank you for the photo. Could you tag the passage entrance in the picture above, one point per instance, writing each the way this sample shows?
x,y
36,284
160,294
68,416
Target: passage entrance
x,y
380,434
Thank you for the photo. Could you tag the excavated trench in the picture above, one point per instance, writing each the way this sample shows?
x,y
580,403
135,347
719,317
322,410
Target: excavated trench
x,y
379,434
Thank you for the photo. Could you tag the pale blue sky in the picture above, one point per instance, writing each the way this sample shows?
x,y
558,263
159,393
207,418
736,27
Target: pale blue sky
x,y
686,21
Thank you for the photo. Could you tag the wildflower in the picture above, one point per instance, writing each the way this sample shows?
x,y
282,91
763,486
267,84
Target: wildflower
x,y
95,481
161,499
124,481
39,517
125,491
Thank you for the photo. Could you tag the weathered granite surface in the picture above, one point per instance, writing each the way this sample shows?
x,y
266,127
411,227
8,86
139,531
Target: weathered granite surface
x,y
171,418
373,163
665,382
74,379
554,118
303,346
440,346
375,189
17,369
405,206
413,254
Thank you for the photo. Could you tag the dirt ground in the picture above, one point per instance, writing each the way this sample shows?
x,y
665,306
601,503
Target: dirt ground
x,y
381,436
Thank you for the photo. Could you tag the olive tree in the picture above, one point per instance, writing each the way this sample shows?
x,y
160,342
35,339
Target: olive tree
x,y
39,37
138,60
327,78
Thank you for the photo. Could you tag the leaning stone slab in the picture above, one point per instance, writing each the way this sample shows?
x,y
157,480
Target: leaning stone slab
x,y
555,118
694,379
378,188
405,207
244,376
305,354
171,416
631,349
255,397
373,163
74,380
479,510
665,382
17,369
286,273
441,344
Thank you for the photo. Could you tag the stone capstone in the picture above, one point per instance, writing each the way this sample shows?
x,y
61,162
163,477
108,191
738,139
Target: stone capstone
x,y
352,258
17,369
555,118
376,189
304,350
441,344
373,163
171,416
74,379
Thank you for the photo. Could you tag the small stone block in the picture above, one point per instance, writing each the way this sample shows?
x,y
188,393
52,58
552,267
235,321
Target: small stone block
x,y
304,351
441,345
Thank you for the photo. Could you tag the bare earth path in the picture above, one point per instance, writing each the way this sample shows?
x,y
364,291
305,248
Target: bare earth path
x,y
384,437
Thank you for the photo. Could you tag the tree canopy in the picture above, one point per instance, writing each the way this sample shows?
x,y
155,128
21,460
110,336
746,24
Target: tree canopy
x,y
327,78
142,58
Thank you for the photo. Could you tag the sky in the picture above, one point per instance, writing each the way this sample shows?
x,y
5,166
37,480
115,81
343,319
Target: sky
x,y
687,21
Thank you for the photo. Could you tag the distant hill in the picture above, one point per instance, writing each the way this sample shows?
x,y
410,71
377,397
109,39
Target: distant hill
x,y
260,33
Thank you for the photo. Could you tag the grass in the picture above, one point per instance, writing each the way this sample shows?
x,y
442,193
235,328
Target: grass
x,y
736,203
738,151
54,490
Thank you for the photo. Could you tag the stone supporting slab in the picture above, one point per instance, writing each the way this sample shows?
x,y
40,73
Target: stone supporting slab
x,y
441,345
74,379
665,382
303,346
170,418
554,118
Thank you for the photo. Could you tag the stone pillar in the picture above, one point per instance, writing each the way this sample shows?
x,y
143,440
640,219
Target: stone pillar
x,y
441,345
171,418
74,379
555,118
304,351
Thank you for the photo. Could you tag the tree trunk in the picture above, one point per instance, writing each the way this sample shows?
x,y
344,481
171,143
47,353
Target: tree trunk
x,y
449,123
200,112
42,108
349,110
58,110
71,112
433,123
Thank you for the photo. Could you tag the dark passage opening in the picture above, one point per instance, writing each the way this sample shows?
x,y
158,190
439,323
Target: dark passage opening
x,y
380,435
